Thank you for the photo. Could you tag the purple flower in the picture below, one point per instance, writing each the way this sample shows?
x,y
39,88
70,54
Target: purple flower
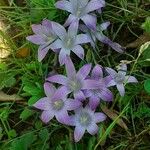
x,y
56,104
80,10
85,119
75,82
43,37
119,78
68,42
102,92
98,34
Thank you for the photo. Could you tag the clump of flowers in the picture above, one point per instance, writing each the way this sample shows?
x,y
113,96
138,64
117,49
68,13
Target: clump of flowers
x,y
79,93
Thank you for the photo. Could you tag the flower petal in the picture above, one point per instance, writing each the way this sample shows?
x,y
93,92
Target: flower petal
x,y
82,38
79,96
103,26
78,133
70,69
94,102
56,44
59,30
37,28
73,29
49,89
111,72
90,21
36,39
47,23
61,93
121,89
64,5
60,79
109,81
94,5
72,104
97,72
90,84
130,79
46,116
106,95
84,71
63,56
79,51
92,129
99,117
42,104
63,117
70,19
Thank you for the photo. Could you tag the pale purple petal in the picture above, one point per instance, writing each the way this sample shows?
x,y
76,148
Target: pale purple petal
x,y
109,81
70,69
84,71
94,102
46,116
56,44
79,51
88,93
70,19
90,84
131,79
64,5
63,56
103,26
79,96
47,23
73,29
78,133
43,104
82,38
92,129
99,117
97,72
59,30
94,5
58,79
36,39
63,117
90,21
106,95
37,28
72,104
49,89
111,72
61,93
121,89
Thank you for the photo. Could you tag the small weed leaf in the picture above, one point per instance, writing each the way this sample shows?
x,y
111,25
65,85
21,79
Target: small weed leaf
x,y
147,86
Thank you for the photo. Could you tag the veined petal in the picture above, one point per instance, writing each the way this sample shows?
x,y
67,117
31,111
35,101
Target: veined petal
x,y
73,29
49,89
61,93
94,102
99,117
82,38
79,96
97,72
56,44
47,23
46,116
93,129
103,26
111,72
94,5
60,79
59,30
78,133
36,39
43,104
123,69
64,5
109,81
70,69
37,28
106,95
130,79
63,56
84,71
90,21
63,117
70,19
72,104
121,89
79,51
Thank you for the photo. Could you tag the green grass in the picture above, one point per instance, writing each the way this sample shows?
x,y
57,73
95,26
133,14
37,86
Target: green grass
x,y
20,126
